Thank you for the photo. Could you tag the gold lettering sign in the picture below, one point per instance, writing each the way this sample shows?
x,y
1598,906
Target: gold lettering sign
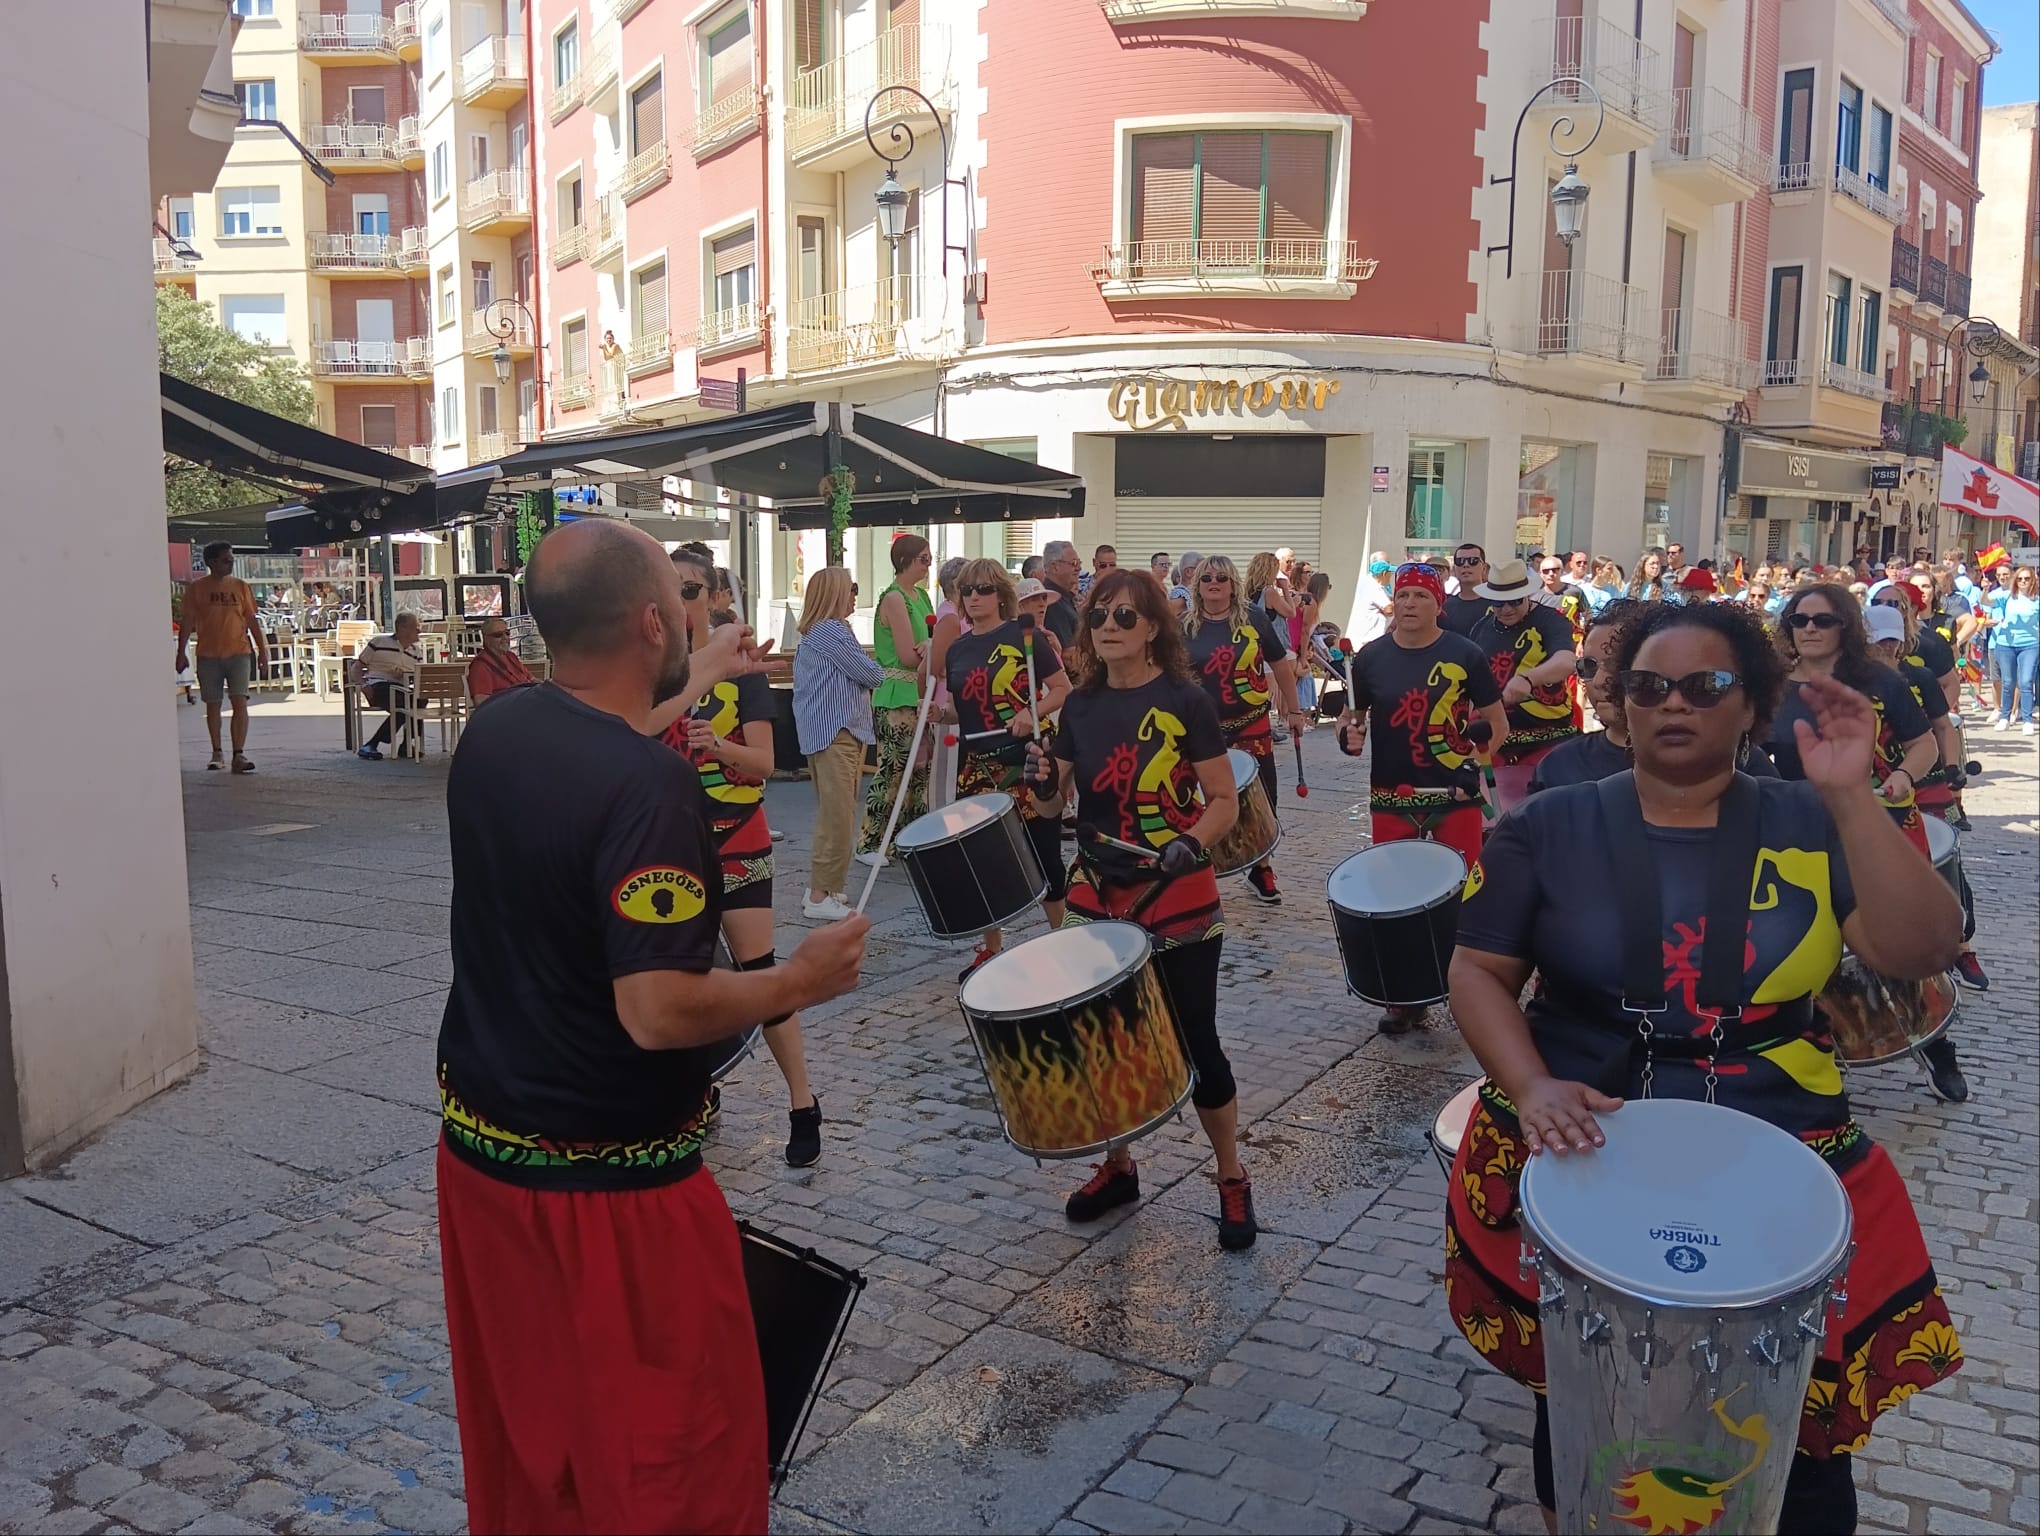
x,y
1147,406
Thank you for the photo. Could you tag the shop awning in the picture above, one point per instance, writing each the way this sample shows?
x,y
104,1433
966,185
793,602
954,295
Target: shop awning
x,y
902,475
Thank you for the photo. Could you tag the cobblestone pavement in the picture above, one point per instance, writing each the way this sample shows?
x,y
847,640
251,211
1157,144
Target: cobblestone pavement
x,y
224,1314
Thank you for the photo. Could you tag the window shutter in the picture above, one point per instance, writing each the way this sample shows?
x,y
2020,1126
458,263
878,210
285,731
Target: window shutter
x,y
1163,201
1298,191
651,301
735,252
807,34
577,351
1229,197
647,115
903,13
729,60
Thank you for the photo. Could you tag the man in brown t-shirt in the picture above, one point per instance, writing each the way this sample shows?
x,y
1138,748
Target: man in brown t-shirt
x,y
220,609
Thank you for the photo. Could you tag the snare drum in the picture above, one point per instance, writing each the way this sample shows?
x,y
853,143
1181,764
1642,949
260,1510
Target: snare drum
x,y
1944,849
800,1305
1395,909
1257,832
1449,1129
1077,1040
1878,1018
1686,1274
971,865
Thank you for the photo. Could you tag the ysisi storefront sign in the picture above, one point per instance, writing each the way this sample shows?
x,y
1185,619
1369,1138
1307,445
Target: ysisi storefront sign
x,y
1151,405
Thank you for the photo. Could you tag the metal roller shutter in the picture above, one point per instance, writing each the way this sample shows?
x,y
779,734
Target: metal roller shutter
x,y
1238,527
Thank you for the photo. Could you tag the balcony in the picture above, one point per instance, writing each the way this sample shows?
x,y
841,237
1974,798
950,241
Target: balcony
x,y
483,339
721,123
351,38
496,204
417,453
1596,321
1958,294
571,246
1714,147
368,255
1144,269
1894,11
1905,264
492,73
573,391
1852,381
404,36
1702,355
564,97
1629,76
1917,431
623,10
599,73
1866,193
1934,283
488,447
825,105
733,327
605,230
648,354
367,146
1119,11
1781,373
341,360
644,171
171,265
876,323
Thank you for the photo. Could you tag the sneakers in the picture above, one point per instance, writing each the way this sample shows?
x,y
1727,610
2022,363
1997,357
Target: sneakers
x,y
1236,1225
1261,881
241,763
1944,1072
872,859
1400,1021
976,960
2004,723
2030,729
366,754
804,1136
1970,969
219,761
1111,1185
829,908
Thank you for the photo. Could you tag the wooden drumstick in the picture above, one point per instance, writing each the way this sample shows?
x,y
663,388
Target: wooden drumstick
x,y
906,783
1480,733
1027,646
1089,836
1302,788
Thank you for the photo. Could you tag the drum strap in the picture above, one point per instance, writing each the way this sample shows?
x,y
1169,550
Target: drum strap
x,y
1734,850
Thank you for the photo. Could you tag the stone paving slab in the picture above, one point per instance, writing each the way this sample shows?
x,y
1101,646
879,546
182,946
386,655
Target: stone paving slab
x,y
229,1316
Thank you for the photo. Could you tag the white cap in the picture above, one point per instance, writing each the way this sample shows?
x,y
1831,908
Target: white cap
x,y
1885,623
1033,587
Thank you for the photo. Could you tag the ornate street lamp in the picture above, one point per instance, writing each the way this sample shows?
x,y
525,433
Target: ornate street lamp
x,y
500,319
892,198
1569,196
1979,384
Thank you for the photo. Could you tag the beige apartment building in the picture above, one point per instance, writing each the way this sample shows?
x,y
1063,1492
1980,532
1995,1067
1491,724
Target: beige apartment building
x,y
2006,284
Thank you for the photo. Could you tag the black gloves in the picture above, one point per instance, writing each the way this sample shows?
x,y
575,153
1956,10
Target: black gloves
x,y
1180,856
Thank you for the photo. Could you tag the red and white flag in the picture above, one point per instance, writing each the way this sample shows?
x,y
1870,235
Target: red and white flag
x,y
1983,490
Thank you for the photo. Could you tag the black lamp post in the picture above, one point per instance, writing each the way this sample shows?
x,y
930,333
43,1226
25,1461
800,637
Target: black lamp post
x,y
500,319
892,198
1569,195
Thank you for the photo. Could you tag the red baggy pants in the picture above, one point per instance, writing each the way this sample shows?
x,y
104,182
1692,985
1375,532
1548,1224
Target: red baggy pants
x,y
605,1369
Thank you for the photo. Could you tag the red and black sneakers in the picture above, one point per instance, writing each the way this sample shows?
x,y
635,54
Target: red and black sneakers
x,y
1111,1185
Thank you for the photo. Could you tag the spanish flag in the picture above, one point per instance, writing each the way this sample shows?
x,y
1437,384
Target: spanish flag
x,y
1990,559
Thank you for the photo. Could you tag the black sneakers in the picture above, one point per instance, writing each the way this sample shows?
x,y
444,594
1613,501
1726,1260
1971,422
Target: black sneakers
x,y
1236,1226
1110,1186
1944,1072
1261,881
1400,1021
804,1136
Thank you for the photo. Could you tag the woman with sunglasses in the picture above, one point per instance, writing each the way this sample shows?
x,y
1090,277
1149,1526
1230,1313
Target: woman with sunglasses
x,y
2015,643
899,638
1697,685
1233,646
985,672
1139,745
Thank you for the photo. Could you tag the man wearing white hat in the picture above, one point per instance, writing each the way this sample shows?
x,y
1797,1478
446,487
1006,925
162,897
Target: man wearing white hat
x,y
1529,648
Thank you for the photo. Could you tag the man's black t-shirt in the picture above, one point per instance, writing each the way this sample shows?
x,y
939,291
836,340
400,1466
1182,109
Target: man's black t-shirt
x,y
1419,704
987,674
1229,663
1547,715
581,853
1593,757
1062,618
1133,749
1462,613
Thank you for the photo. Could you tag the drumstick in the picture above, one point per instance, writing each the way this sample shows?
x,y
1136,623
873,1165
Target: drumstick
x,y
1302,789
1027,645
1090,836
906,783
1346,656
1480,733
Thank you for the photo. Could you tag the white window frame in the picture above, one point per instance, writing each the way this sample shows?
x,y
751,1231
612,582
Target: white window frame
x,y
1931,82
626,119
561,182
437,44
495,395
1954,223
224,197
282,340
709,235
255,10
441,176
571,24
270,115
632,370
1330,286
706,27
446,296
589,342
447,417
184,211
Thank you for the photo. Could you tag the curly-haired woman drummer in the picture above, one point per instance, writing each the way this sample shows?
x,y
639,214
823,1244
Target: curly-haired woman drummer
x,y
988,670
1137,743
1697,684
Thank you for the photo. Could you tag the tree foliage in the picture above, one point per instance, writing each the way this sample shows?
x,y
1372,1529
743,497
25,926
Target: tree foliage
x,y
192,345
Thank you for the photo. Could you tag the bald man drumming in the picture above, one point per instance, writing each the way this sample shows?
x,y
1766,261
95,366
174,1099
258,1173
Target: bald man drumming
x,y
605,1369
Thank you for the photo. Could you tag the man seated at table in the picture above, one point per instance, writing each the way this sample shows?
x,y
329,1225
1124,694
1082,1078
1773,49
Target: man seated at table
x,y
384,661
498,667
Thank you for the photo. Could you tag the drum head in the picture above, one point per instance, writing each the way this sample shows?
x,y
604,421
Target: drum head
x,y
1056,969
1394,879
951,821
1940,839
1449,1129
1244,769
1690,1205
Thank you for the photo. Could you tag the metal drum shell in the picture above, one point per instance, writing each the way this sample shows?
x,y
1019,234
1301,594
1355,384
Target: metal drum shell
x,y
1877,1019
1405,950
971,866
1258,832
1448,1126
1944,851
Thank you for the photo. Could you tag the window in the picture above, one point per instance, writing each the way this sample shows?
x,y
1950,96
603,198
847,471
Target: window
x,y
435,47
1242,202
1795,131
1436,495
812,261
648,303
442,170
368,104
1958,111
647,116
574,349
1877,163
486,420
726,57
260,8
449,414
256,317
447,300
733,275
810,28
251,211
379,427
899,264
183,222
1871,341
482,283
1849,127
1954,226
566,54
1781,340
1839,290
371,213
1930,96
571,207
478,156
258,100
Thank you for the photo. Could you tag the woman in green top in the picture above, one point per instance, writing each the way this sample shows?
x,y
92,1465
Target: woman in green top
x,y
899,636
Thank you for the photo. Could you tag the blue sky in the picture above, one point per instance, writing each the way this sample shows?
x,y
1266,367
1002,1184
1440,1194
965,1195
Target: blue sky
x,y
2013,75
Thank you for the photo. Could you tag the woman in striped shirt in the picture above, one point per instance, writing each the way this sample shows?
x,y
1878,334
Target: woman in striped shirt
x,y
832,685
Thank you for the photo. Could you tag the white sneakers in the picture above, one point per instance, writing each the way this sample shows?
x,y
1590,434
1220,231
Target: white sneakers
x,y
2030,728
829,908
872,859
2004,722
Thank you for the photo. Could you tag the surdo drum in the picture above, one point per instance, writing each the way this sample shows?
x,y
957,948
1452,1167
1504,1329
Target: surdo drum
x,y
1877,1018
1257,832
1395,909
971,865
1944,850
1687,1274
1077,1039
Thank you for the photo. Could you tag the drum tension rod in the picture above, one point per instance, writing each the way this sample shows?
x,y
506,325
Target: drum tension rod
x,y
1768,1347
1710,1357
1643,1344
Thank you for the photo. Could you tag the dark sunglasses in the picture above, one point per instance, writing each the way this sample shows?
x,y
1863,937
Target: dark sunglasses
x,y
1588,668
1213,579
1551,570
979,589
1702,690
1817,620
1886,602
1466,560
1122,617
691,590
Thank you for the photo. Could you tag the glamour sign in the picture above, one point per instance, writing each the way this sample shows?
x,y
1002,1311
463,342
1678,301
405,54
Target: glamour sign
x,y
1148,405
